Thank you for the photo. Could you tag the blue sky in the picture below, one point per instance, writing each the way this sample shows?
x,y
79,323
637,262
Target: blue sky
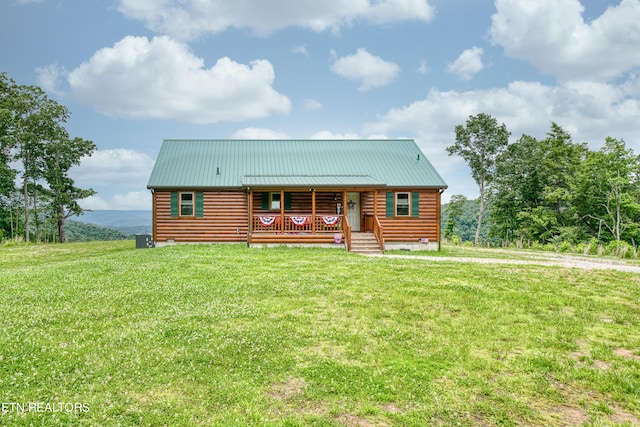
x,y
135,72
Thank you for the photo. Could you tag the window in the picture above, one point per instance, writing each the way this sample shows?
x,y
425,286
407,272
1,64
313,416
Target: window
x,y
274,201
402,204
186,204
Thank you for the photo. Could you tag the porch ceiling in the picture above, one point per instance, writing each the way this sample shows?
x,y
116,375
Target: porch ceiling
x,y
312,181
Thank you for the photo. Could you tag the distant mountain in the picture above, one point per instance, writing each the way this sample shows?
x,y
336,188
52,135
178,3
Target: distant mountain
x,y
128,222
85,232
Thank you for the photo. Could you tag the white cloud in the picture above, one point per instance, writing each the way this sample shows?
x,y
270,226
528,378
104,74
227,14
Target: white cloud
x,y
554,37
162,79
589,111
468,64
189,19
94,203
372,71
134,200
122,171
259,133
325,134
300,49
423,68
312,105
49,76
114,167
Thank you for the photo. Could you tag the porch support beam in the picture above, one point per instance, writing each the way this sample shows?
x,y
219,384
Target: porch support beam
x,y
313,211
282,211
344,203
375,203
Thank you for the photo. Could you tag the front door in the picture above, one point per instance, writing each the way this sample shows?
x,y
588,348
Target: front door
x,y
353,210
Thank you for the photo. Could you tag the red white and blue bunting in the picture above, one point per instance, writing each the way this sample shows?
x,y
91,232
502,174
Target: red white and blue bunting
x,y
330,220
267,220
299,220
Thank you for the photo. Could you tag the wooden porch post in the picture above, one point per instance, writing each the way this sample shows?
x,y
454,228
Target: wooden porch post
x,y
375,203
282,211
313,211
344,202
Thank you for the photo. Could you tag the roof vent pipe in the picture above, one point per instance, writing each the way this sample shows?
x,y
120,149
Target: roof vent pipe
x,y
218,171
418,157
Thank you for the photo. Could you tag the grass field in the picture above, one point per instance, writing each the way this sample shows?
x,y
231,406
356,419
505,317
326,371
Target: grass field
x,y
104,334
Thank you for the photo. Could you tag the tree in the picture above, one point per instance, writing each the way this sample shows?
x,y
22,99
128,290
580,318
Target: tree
x,y
608,190
517,188
561,163
455,209
30,120
479,142
32,134
58,157
7,174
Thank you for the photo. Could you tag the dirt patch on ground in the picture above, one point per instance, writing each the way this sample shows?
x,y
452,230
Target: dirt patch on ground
x,y
289,389
601,364
349,420
623,352
620,417
570,416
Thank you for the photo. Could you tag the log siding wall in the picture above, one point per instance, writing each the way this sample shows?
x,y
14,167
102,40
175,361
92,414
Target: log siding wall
x,y
411,229
224,219
225,216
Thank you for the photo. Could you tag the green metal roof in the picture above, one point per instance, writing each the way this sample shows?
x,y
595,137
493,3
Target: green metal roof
x,y
310,181
321,163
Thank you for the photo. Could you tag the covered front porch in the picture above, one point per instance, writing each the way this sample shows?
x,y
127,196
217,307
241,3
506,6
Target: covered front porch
x,y
323,216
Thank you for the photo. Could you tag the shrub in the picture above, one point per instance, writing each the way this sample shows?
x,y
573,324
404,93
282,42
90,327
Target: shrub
x,y
619,249
15,241
537,246
565,247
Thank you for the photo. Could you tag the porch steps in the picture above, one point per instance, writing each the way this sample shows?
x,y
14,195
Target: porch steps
x,y
365,244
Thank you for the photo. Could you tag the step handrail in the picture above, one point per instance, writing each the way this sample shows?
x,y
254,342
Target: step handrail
x,y
378,231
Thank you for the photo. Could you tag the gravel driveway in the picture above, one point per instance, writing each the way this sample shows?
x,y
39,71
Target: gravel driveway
x,y
551,260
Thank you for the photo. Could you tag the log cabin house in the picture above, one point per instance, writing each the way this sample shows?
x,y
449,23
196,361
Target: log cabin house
x,y
319,192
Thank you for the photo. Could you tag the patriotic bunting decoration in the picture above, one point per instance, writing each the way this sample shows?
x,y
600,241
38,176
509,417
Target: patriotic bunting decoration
x,y
330,220
299,220
267,220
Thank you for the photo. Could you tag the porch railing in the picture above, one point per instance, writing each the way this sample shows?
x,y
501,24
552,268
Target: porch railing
x,y
378,231
297,223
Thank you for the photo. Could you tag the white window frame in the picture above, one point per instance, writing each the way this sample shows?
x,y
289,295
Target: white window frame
x,y
404,204
275,201
185,204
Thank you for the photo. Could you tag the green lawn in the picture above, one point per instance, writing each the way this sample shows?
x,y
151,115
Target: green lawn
x,y
226,335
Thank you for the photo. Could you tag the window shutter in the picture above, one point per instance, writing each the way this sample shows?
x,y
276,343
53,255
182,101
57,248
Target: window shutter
x,y
287,201
265,201
174,204
390,203
415,204
199,204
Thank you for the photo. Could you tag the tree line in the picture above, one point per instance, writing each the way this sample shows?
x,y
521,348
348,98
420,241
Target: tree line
x,y
36,153
547,191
